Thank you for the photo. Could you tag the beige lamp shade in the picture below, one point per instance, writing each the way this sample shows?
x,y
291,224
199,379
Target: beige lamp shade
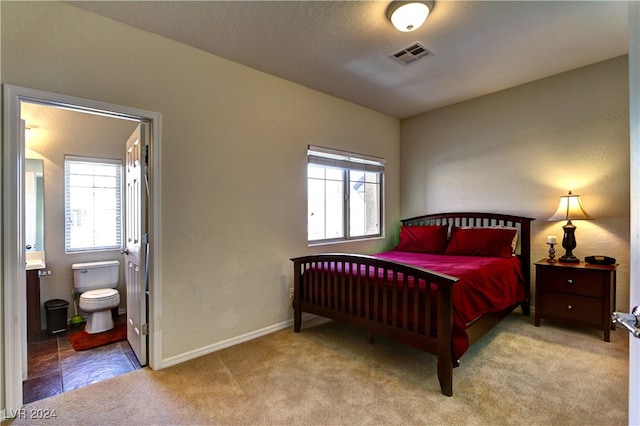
x,y
570,208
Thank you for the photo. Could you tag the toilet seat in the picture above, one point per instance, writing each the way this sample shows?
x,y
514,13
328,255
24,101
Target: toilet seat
x,y
100,294
100,298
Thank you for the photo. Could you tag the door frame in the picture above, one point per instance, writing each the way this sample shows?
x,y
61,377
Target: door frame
x,y
13,277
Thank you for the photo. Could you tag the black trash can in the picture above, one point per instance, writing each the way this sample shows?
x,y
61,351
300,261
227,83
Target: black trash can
x,y
56,315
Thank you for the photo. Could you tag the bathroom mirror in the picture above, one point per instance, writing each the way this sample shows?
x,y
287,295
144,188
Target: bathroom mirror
x,y
34,205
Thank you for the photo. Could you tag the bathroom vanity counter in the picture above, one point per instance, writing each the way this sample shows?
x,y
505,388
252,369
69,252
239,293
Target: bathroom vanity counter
x,y
35,260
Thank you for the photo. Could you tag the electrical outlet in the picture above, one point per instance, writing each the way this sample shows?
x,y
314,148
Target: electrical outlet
x,y
291,293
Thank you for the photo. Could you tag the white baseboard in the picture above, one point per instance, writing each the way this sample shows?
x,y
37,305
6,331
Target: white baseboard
x,y
167,362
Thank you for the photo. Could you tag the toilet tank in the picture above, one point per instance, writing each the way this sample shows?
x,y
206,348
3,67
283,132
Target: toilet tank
x,y
95,275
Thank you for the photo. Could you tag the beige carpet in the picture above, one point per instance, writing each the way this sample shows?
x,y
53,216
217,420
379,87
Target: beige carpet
x,y
330,375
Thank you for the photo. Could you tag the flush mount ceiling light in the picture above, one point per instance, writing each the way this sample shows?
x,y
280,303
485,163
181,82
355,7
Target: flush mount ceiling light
x,y
408,16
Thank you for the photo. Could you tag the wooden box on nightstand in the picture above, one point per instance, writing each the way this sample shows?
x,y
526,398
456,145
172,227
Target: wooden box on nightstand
x,y
578,293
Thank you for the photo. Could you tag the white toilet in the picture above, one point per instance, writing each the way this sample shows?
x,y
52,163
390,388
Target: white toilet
x,y
96,283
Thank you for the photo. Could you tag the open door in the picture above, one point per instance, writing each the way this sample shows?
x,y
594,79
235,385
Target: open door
x,y
634,118
136,240
13,263
22,285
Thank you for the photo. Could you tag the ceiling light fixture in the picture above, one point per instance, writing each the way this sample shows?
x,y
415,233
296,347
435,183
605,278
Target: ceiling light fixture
x,y
408,16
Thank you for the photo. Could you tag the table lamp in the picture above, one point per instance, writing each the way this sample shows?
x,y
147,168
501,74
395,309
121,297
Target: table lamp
x,y
570,208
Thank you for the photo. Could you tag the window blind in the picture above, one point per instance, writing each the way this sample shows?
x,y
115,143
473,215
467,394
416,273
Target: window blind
x,y
93,203
344,160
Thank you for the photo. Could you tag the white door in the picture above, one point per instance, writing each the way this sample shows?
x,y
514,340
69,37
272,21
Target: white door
x,y
634,106
23,284
135,253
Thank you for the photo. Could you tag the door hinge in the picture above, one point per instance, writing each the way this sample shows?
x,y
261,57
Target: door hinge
x,y
145,155
145,329
144,239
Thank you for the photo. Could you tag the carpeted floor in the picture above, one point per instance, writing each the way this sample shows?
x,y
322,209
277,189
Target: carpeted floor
x,y
330,375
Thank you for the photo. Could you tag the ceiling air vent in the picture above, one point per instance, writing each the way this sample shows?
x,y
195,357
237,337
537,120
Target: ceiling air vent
x,y
411,53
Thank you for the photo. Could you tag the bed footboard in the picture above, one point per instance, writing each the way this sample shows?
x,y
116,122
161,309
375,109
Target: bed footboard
x,y
404,303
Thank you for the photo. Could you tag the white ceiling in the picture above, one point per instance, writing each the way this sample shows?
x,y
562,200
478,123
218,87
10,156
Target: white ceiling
x,y
342,48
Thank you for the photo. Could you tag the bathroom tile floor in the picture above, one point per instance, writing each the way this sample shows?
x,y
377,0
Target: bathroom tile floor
x,y
55,367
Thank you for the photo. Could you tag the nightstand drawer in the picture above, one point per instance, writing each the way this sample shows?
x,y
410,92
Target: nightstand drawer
x,y
569,307
572,281
576,293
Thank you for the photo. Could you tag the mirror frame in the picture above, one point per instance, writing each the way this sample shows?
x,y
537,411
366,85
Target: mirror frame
x,y
34,205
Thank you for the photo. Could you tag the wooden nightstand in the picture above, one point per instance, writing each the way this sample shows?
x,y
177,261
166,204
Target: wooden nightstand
x,y
580,293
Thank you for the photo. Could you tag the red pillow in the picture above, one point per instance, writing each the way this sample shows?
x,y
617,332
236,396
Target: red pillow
x,y
423,239
490,242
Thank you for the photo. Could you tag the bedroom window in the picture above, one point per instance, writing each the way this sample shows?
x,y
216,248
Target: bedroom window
x,y
344,194
92,204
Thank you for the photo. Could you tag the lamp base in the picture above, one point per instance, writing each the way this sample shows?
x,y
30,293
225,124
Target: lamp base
x,y
569,258
569,243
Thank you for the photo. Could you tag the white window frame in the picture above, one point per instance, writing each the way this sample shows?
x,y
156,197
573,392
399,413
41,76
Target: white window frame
x,y
347,162
119,226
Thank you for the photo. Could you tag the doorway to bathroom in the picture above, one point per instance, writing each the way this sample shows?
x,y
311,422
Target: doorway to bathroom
x,y
69,125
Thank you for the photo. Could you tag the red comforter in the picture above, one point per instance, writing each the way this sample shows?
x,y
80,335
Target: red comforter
x,y
486,284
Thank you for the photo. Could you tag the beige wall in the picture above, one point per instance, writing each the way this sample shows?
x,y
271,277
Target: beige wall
x,y
517,151
233,159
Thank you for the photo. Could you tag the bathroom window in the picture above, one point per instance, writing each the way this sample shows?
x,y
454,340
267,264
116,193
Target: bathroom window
x,y
344,195
93,206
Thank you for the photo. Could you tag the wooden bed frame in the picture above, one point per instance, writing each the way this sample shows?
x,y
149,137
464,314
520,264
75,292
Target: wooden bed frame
x,y
322,299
